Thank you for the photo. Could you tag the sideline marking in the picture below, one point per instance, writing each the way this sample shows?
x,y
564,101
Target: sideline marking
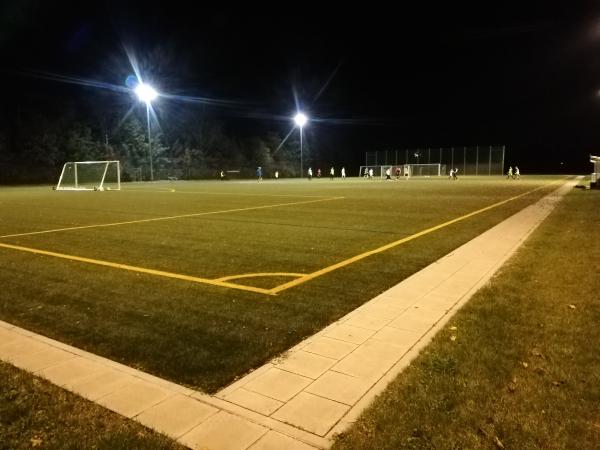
x,y
385,247
250,208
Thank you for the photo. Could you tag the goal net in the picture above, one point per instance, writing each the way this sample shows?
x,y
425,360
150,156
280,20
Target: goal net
x,y
404,170
424,170
90,175
376,171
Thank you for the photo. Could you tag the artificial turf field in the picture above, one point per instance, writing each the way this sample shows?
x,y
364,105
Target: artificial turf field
x,y
200,282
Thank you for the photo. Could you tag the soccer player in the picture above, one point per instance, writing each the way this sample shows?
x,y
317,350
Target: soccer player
x,y
388,174
397,173
370,174
451,174
331,173
309,173
509,175
318,173
343,173
455,174
366,174
259,173
277,174
222,175
517,173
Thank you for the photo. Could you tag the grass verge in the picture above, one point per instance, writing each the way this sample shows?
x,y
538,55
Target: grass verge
x,y
37,414
523,370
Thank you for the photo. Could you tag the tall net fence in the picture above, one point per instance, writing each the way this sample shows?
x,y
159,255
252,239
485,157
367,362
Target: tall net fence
x,y
478,160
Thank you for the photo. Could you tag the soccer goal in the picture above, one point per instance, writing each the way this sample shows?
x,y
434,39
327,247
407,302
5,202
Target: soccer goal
x,y
378,171
424,170
90,176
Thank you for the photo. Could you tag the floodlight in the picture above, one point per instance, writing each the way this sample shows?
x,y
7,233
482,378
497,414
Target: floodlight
x,y
300,119
145,93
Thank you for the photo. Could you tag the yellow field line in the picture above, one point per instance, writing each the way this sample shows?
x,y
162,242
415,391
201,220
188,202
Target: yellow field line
x,y
383,248
159,273
250,208
262,274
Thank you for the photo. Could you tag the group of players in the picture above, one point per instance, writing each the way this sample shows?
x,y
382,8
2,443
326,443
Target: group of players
x,y
331,173
368,173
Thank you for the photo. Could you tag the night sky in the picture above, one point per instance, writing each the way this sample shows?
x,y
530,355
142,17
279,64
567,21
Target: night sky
x,y
372,77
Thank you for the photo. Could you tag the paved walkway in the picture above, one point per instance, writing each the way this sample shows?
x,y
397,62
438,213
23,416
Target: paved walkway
x,y
320,387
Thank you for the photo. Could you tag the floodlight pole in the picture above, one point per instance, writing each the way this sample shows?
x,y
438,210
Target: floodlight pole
x,y
301,162
149,141
300,119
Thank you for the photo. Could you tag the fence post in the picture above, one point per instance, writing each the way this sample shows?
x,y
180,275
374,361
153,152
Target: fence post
x,y
503,150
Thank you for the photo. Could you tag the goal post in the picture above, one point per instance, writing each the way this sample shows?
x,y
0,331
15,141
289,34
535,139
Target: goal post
x,y
404,170
90,176
425,170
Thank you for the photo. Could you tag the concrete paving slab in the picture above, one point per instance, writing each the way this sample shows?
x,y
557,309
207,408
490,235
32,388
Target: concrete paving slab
x,y
176,415
133,398
349,333
7,336
311,413
277,441
367,321
331,348
278,384
35,361
20,347
361,364
101,384
339,387
306,364
416,319
71,371
254,401
224,431
397,336
383,310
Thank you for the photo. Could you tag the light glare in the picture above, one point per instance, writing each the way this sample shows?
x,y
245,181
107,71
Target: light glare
x,y
300,119
145,92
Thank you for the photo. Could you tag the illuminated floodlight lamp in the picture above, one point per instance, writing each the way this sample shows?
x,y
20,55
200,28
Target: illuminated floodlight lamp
x,y
145,93
300,119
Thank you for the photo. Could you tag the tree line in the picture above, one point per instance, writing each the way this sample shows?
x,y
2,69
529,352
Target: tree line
x,y
35,141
